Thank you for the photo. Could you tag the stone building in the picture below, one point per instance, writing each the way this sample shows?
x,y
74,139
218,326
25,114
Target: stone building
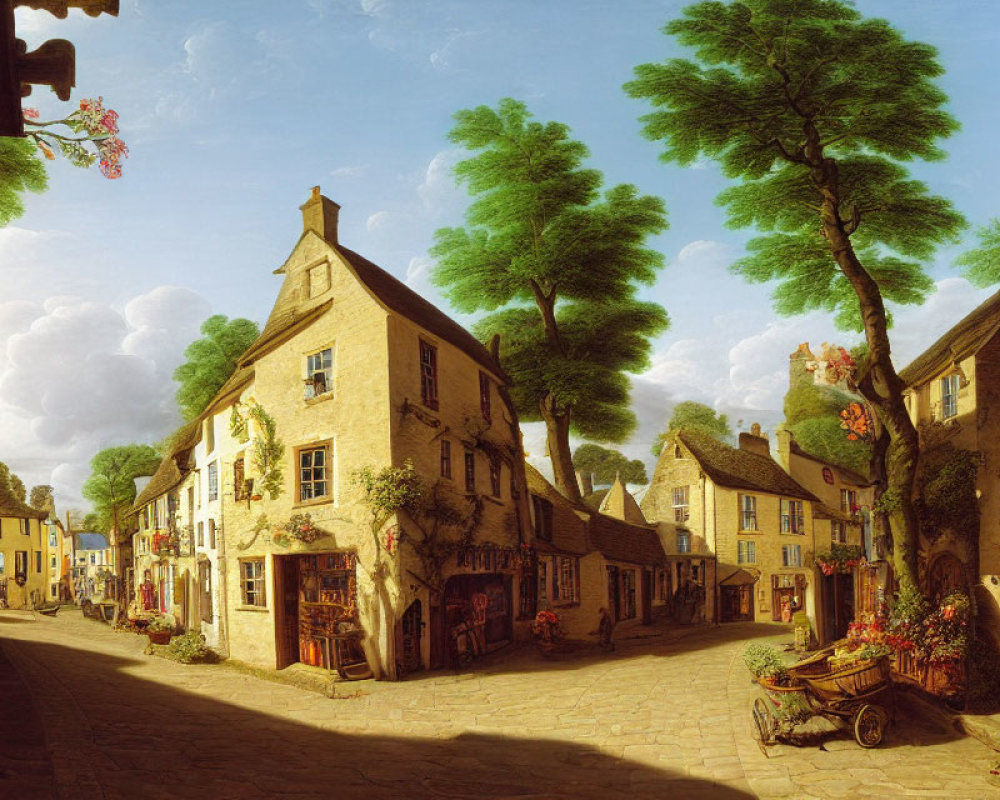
x,y
588,560
738,504
953,393
841,521
352,371
23,552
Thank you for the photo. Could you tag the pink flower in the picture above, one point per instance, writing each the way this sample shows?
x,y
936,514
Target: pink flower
x,y
30,113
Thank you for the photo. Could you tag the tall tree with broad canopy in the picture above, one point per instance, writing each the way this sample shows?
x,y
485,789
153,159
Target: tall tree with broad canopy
x,y
814,109
557,264
111,485
15,484
690,415
211,360
599,465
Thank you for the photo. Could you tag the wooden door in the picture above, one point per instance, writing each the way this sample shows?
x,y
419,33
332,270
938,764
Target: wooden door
x,y
286,610
411,629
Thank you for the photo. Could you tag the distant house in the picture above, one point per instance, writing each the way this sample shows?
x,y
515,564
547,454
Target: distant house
x,y
738,504
953,396
92,566
23,548
589,560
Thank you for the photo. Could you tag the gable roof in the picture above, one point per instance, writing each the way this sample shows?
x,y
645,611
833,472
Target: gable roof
x,y
618,540
739,469
963,340
169,474
399,297
90,541
619,503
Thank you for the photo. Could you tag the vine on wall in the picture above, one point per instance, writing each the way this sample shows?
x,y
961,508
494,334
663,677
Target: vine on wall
x,y
268,450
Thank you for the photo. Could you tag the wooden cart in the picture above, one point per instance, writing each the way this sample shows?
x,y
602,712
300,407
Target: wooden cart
x,y
859,694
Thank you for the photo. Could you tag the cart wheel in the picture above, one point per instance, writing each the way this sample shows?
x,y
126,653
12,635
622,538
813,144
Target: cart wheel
x,y
763,721
869,725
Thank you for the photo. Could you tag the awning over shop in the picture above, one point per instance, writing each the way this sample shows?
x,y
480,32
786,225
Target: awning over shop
x,y
737,576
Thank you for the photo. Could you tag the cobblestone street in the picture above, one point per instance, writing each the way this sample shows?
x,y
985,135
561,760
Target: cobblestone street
x,y
665,716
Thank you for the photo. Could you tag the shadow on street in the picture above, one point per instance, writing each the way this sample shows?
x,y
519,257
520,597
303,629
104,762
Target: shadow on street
x,y
150,740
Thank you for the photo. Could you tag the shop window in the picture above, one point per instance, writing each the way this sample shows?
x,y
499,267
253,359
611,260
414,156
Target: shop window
x,y
252,582
428,375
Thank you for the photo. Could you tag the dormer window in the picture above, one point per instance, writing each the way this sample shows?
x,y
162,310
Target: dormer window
x,y
319,373
949,396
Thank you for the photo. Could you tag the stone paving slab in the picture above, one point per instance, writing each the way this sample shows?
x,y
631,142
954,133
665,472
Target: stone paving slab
x,y
661,717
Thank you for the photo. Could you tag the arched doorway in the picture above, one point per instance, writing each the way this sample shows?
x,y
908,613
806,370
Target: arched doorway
x,y
946,575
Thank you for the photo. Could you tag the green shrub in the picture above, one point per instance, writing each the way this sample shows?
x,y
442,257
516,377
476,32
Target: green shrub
x,y
190,648
764,661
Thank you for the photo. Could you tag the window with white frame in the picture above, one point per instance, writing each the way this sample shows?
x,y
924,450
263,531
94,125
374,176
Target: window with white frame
x,y
252,582
949,395
792,520
679,495
748,512
213,482
565,580
746,552
683,542
791,555
319,373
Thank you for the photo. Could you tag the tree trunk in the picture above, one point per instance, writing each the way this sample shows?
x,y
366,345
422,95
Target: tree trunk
x,y
557,429
881,387
586,482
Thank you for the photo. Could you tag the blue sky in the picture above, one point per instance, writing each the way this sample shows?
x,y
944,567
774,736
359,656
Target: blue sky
x,y
233,111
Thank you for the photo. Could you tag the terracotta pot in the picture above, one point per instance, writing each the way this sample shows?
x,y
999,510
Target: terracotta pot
x,y
159,637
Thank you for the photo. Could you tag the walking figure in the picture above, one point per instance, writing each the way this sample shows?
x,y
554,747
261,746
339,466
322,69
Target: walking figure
x,y
606,629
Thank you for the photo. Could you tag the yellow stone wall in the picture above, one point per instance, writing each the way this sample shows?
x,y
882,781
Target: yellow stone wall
x,y
12,540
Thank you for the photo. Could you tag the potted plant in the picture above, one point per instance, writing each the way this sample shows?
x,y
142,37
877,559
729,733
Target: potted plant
x,y
766,665
160,629
546,628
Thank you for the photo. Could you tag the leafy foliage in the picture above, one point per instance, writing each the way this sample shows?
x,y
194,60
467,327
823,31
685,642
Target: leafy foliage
x,y
20,171
604,464
10,482
41,496
982,264
111,485
190,648
557,264
268,450
690,415
764,661
389,490
948,492
210,361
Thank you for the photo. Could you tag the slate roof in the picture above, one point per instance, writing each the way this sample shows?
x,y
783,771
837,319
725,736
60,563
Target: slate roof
x,y
618,540
90,541
279,327
963,340
739,469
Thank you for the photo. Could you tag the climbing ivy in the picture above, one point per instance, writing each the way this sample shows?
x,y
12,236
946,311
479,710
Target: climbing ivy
x,y
947,485
268,450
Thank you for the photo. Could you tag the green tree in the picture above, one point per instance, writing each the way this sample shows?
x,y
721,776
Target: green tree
x,y
211,360
41,497
20,171
814,110
600,465
690,415
14,483
557,264
111,485
982,263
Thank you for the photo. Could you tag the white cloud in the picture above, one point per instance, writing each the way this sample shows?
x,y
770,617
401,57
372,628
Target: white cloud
x,y
418,271
377,221
443,58
376,8
438,192
77,376
349,171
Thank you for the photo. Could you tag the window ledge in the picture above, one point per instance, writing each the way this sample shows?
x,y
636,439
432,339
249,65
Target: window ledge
x,y
317,501
741,532
311,401
495,500
255,609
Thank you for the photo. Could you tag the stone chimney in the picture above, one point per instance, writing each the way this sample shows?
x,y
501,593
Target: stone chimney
x,y
319,214
785,442
755,441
